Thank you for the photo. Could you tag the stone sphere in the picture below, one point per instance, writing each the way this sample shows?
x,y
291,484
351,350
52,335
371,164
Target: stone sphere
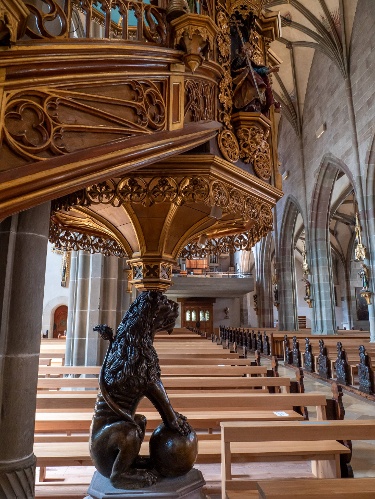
x,y
173,454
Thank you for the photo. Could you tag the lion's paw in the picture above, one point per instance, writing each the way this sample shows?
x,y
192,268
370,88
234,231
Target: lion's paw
x,y
134,479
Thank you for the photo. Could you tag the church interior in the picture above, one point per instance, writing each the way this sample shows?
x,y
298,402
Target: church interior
x,y
187,231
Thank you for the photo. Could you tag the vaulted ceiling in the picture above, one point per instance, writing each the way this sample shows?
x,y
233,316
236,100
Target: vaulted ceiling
x,y
307,26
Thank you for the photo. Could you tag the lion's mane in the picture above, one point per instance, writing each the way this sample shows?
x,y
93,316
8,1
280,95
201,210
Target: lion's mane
x,y
131,357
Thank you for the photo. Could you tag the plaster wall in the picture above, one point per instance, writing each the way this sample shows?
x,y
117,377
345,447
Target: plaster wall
x,y
54,294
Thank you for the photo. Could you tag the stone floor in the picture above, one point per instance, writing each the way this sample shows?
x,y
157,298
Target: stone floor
x,y
363,460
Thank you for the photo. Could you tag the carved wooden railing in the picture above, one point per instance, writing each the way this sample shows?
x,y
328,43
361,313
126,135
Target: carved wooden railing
x,y
114,19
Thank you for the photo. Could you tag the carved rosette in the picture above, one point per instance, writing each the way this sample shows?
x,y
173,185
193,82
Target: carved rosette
x,y
253,133
228,145
151,274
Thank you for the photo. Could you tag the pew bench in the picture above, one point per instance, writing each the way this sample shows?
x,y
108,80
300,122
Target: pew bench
x,y
60,356
301,488
179,383
84,401
172,370
317,441
79,422
60,491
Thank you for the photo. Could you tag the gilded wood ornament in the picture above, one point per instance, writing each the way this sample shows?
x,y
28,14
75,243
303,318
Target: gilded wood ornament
x,y
255,149
227,140
40,124
148,273
176,190
199,100
48,20
228,145
68,240
195,34
13,18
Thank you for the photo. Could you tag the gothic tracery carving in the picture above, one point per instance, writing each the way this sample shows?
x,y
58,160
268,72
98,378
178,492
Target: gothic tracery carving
x,y
199,100
39,124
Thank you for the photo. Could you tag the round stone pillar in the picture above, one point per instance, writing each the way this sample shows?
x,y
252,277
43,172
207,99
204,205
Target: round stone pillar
x,y
23,249
263,284
98,295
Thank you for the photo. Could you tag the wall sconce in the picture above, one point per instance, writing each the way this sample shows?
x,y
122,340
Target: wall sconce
x,y
226,312
216,212
202,240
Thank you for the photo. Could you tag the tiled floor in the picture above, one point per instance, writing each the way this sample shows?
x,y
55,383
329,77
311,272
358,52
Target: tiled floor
x,y
363,460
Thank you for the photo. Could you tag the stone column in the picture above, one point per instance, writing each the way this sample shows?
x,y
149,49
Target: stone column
x,y
264,282
97,296
324,317
23,250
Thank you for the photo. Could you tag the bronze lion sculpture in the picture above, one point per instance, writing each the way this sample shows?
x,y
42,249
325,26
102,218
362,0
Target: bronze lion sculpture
x,y
131,371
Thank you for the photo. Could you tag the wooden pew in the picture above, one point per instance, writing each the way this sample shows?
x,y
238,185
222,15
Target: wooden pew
x,y
60,356
302,488
79,422
172,370
201,412
83,401
179,383
312,440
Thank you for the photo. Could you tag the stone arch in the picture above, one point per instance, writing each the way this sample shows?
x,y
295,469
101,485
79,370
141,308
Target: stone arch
x,y
49,311
324,316
369,205
288,317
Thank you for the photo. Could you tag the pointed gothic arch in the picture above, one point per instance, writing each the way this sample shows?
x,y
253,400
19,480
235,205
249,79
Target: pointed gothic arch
x,y
288,316
324,316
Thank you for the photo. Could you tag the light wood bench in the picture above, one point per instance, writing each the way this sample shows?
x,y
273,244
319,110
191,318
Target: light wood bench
x,y
179,383
60,491
341,488
206,411
81,401
303,440
79,422
53,356
172,370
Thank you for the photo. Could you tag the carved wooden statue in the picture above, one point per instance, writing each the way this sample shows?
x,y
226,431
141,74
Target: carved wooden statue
x,y
130,372
342,366
365,373
296,355
308,357
324,366
287,353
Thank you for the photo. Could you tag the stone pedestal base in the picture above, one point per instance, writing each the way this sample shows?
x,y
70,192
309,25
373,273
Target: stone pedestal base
x,y
188,486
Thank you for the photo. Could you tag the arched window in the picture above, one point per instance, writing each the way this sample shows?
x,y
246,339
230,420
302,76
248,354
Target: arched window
x,y
193,315
207,315
188,315
201,315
